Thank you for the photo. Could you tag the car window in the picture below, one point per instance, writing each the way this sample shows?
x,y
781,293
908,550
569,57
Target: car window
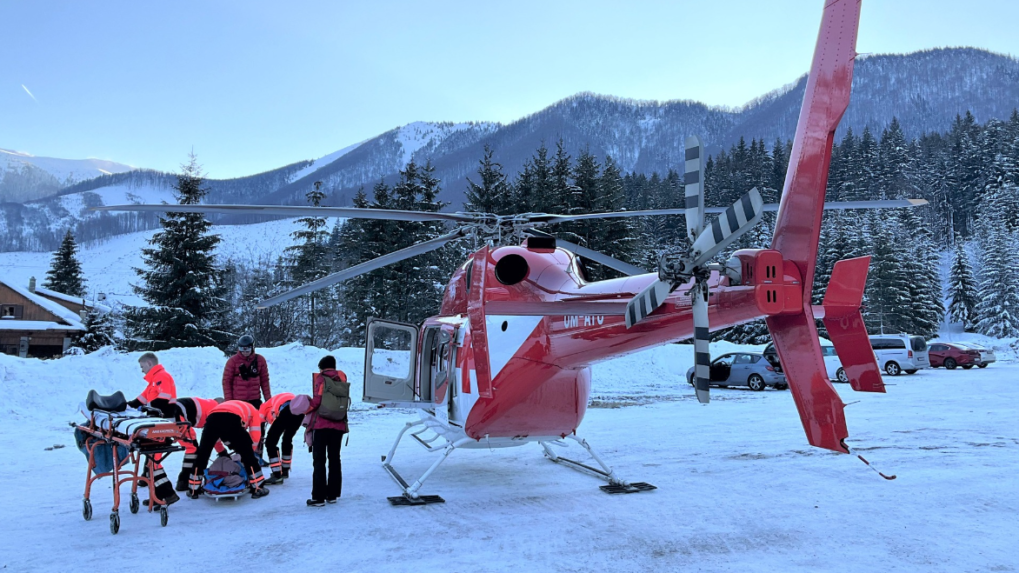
x,y
917,343
828,351
937,347
743,359
726,360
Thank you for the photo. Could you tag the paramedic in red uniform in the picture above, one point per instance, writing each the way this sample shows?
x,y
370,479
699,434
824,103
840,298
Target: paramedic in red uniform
x,y
194,411
282,424
238,425
161,394
246,377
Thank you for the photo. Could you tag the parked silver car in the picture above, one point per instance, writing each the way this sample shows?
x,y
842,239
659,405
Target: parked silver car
x,y
743,369
987,355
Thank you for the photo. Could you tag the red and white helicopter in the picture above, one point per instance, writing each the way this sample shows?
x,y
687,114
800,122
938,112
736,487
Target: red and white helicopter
x,y
507,361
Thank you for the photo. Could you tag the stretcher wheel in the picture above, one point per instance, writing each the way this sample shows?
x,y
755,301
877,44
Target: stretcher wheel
x,y
86,510
114,522
135,504
164,516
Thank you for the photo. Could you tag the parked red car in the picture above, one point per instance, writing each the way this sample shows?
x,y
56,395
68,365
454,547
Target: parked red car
x,y
952,355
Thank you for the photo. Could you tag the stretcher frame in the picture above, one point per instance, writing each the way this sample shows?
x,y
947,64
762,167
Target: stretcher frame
x,y
153,442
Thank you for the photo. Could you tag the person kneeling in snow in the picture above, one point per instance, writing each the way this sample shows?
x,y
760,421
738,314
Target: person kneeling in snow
x,y
283,422
238,425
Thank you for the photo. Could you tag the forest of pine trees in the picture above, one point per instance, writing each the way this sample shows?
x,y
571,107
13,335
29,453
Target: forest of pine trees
x,y
969,176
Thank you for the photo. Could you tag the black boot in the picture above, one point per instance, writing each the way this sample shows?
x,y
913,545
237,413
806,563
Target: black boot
x,y
182,483
275,479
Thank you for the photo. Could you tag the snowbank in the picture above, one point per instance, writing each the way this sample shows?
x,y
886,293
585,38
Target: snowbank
x,y
36,390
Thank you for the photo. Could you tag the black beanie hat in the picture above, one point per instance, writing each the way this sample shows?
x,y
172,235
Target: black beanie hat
x,y
327,363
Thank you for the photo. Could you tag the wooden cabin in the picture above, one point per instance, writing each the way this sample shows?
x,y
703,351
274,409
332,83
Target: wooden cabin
x,y
32,325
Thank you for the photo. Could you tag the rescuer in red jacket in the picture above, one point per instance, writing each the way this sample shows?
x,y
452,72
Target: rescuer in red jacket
x,y
237,424
283,423
246,377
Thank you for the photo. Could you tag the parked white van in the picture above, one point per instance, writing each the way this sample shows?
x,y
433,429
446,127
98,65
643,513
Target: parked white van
x,y
898,353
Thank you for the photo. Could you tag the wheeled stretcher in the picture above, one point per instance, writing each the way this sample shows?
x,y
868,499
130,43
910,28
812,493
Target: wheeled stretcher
x,y
126,436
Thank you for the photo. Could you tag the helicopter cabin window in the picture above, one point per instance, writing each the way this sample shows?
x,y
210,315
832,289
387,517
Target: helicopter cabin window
x,y
391,352
435,353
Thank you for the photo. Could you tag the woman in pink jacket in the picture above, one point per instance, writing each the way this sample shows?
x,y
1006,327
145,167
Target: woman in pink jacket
x,y
326,438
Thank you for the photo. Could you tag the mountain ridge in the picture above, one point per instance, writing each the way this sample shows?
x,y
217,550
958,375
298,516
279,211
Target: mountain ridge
x,y
925,90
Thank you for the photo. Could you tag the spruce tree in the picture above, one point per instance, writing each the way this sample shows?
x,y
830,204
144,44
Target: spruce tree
x,y
309,261
922,267
181,283
99,332
887,288
962,288
65,274
997,308
493,193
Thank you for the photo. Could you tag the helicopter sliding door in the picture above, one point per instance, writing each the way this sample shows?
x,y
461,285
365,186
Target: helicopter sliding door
x,y
390,364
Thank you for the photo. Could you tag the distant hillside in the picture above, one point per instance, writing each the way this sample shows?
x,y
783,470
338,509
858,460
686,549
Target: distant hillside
x,y
925,90
24,177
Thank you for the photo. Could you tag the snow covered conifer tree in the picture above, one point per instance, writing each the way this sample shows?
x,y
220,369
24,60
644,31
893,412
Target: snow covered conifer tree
x,y
887,284
493,193
64,275
923,269
310,260
997,309
962,288
614,237
99,332
181,283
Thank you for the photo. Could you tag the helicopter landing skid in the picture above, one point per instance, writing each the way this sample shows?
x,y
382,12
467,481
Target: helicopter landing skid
x,y
606,473
410,492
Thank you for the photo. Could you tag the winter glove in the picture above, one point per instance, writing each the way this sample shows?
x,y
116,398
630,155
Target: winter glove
x,y
136,403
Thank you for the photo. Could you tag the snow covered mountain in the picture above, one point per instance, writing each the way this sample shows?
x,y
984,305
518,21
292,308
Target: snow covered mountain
x,y
24,177
924,90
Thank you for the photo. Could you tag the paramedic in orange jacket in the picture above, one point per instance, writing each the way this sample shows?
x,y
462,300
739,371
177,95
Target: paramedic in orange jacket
x,y
194,411
282,424
238,425
161,394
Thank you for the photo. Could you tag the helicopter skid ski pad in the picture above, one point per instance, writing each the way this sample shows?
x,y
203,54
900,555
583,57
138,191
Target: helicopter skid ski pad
x,y
420,500
628,488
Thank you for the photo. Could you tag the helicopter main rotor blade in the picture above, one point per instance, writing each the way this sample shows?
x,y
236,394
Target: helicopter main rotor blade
x,y
295,211
367,266
610,262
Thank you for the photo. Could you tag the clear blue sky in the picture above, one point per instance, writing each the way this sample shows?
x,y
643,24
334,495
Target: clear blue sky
x,y
255,85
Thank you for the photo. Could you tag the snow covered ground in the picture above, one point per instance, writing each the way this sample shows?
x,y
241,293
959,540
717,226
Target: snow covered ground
x,y
739,488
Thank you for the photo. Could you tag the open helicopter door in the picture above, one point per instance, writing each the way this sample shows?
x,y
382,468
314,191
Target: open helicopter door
x,y
390,364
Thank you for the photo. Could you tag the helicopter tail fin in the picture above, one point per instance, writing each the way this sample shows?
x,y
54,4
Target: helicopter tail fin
x,y
845,325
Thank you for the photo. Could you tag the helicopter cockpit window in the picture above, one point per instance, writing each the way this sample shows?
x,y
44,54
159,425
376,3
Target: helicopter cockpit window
x,y
391,350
